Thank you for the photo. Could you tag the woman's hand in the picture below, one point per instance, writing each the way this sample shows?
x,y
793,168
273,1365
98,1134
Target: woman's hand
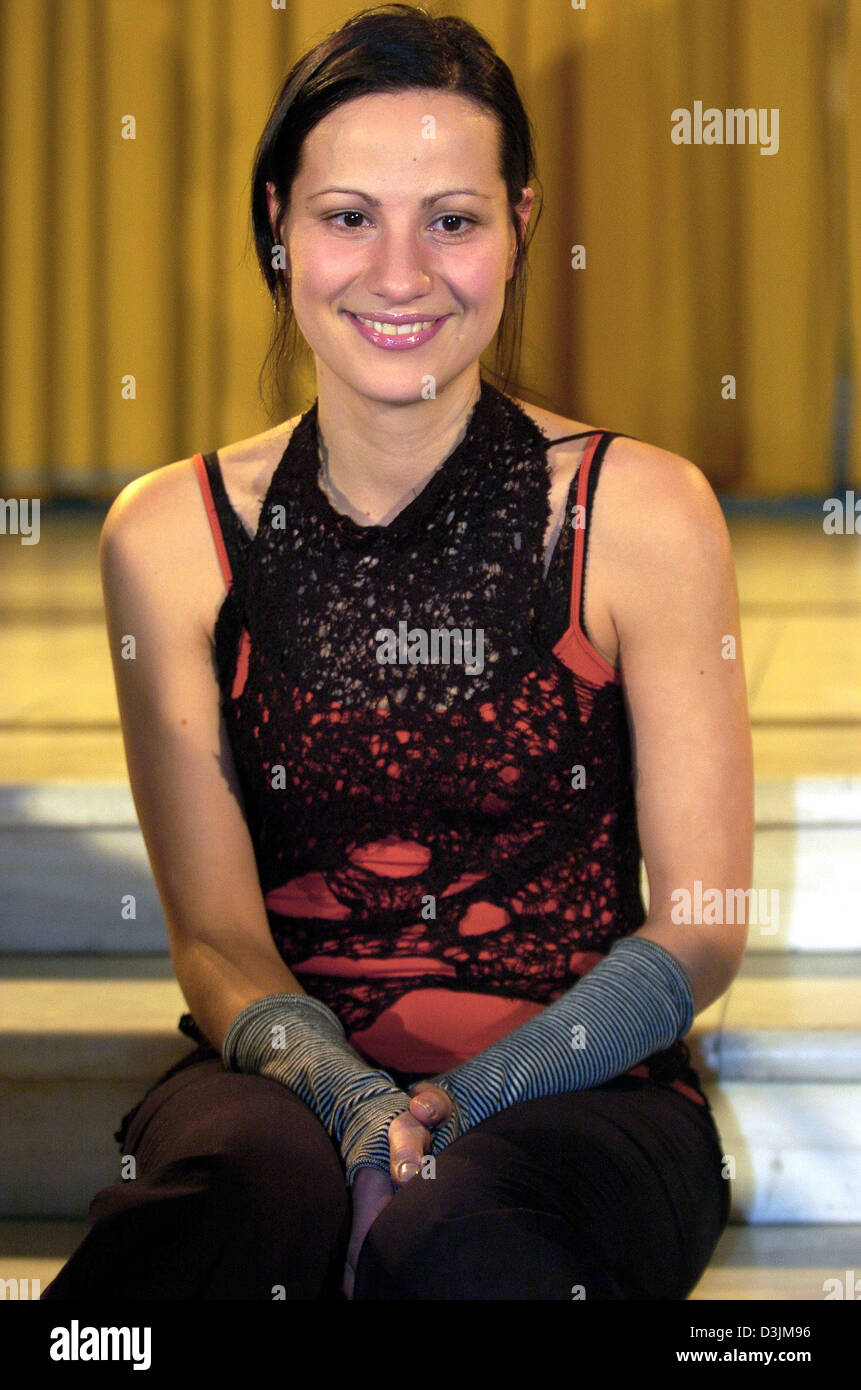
x,y
409,1141
409,1138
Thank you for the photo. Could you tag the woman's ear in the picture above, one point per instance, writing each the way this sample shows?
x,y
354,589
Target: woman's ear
x,y
524,208
275,216
273,203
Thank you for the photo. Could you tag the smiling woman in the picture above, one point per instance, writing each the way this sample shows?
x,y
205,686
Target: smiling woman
x,y
444,853
417,267
444,81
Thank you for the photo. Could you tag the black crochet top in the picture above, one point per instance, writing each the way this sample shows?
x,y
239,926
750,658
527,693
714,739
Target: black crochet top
x,y
434,759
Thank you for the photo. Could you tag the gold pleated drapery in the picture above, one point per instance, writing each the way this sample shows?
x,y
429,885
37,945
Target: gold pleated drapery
x,y
132,257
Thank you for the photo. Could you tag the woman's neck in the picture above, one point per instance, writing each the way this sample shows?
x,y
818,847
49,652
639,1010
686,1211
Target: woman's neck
x,y
375,455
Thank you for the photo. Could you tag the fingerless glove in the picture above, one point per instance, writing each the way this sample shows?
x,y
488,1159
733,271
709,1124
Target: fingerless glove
x,y
634,1002
298,1041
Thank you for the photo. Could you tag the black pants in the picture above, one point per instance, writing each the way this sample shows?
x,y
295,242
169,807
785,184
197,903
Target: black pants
x,y
239,1193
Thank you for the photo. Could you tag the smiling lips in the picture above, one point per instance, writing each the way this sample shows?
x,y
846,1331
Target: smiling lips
x,y
401,329
394,332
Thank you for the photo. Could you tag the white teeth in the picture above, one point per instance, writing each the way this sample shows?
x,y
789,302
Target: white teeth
x,y
393,330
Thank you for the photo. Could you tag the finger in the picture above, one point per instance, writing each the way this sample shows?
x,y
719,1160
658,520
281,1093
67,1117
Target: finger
x,y
431,1105
409,1141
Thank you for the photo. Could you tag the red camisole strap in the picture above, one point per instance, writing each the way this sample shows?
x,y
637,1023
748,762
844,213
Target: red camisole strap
x,y
574,647
215,526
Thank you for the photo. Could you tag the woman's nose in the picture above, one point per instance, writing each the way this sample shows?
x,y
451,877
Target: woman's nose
x,y
400,268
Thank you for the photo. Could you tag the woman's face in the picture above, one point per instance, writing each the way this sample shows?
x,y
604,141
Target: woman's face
x,y
398,211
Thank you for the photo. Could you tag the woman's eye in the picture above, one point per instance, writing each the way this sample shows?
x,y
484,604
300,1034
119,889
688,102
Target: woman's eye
x,y
457,217
336,215
446,217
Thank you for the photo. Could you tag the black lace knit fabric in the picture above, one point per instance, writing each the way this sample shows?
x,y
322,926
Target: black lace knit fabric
x,y
434,865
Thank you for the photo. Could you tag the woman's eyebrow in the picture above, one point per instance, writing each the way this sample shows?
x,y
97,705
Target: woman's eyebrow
x,y
426,202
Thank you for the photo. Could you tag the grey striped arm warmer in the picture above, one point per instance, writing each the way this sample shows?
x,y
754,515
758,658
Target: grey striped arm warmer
x,y
298,1041
634,1002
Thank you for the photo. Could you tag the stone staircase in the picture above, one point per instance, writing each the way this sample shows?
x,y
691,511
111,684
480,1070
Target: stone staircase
x,y
90,1007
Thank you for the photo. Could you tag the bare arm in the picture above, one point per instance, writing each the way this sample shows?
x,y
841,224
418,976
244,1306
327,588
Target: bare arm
x,y
161,586
675,608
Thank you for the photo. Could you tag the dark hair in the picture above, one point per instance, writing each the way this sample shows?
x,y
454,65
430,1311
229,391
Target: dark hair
x,y
390,48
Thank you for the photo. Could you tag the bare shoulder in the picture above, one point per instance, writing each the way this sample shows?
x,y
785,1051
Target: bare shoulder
x,y
655,500
659,541
656,529
671,491
563,456
150,511
167,493
673,486
157,525
156,552
248,465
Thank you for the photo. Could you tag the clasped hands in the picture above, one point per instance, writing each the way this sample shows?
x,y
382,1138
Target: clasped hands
x,y
409,1141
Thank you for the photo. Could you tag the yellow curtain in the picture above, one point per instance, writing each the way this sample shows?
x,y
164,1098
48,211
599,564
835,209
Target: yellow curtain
x,y
130,259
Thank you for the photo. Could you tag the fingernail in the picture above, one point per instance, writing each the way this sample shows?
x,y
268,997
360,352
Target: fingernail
x,y
406,1170
425,1107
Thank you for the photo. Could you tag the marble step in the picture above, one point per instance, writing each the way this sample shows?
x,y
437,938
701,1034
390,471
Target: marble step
x,y
81,1039
76,875
759,1263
